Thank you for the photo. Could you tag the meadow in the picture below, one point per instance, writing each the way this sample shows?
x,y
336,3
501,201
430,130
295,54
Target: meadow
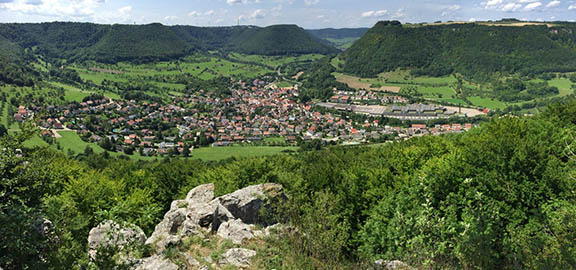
x,y
442,89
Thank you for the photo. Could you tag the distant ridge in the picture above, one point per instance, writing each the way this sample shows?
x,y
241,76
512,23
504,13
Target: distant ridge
x,y
472,49
112,43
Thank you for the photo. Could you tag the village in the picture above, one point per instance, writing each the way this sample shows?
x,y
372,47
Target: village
x,y
255,113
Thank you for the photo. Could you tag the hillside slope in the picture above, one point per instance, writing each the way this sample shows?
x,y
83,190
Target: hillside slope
x,y
112,43
126,42
278,40
471,49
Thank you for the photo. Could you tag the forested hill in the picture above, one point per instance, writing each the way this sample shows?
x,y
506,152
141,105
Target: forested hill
x,y
471,49
111,43
278,40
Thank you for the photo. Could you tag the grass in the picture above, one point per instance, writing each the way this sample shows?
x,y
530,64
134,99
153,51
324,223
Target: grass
x,y
487,103
219,153
71,141
75,94
564,86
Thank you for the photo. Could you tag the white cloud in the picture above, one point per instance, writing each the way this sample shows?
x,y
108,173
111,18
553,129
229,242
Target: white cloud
x,y
571,7
57,8
374,13
236,2
256,14
121,15
554,3
311,2
511,7
532,6
516,5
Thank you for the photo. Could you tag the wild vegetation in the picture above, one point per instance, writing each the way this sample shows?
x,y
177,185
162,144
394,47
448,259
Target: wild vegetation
x,y
473,50
498,197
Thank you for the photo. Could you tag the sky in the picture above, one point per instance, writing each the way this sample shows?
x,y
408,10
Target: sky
x,y
310,14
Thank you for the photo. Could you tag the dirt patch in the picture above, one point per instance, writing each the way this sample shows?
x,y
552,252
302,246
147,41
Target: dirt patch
x,y
356,83
103,70
298,75
468,111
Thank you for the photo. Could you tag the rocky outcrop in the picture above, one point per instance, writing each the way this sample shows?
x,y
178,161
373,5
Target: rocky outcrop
x,y
247,203
236,231
239,257
112,234
201,212
155,263
391,265
233,217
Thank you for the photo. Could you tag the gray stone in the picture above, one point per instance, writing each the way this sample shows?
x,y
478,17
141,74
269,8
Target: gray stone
x,y
239,257
165,232
178,204
246,203
391,265
190,261
155,263
201,194
110,233
209,215
236,231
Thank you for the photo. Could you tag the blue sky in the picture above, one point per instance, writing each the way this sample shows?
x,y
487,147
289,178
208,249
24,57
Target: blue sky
x,y
306,13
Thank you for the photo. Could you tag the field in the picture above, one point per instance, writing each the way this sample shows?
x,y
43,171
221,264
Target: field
x,y
70,141
393,81
442,89
487,102
219,153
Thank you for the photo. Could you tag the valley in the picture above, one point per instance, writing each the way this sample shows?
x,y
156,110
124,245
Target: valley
x,y
445,145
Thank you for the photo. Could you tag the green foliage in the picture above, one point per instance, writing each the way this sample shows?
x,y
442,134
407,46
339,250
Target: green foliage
x,y
278,40
473,50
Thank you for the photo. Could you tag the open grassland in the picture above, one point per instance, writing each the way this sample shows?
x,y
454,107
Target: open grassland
x,y
442,89
219,153
273,61
487,103
564,86
71,142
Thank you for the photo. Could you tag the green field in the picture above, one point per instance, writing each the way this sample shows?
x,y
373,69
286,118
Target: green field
x,y
205,67
219,153
71,141
564,86
487,103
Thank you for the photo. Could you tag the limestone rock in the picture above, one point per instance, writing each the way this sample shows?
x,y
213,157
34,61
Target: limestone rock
x,y
391,265
236,231
178,204
110,233
239,257
155,263
201,194
190,261
209,215
165,232
246,203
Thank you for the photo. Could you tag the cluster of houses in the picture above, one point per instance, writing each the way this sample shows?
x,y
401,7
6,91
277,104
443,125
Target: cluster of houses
x,y
252,113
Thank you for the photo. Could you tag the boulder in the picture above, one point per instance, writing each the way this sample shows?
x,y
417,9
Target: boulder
x,y
190,261
246,203
209,215
155,263
165,232
239,257
178,204
110,233
201,194
236,231
391,265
